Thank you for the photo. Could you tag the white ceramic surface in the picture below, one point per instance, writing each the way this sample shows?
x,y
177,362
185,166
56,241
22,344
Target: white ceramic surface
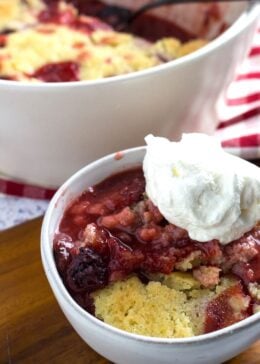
x,y
119,346
48,131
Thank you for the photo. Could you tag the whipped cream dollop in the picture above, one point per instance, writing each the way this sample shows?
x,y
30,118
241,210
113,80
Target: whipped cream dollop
x,y
199,187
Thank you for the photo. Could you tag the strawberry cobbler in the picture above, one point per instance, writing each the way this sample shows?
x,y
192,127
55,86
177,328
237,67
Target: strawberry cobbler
x,y
53,42
125,255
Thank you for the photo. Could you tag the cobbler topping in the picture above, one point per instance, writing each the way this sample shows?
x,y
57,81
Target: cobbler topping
x,y
15,13
56,43
209,192
113,232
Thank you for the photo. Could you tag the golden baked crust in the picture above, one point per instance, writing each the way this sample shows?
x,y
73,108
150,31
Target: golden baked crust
x,y
15,13
173,306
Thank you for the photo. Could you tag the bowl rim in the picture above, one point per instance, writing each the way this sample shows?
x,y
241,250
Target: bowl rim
x,y
57,284
240,24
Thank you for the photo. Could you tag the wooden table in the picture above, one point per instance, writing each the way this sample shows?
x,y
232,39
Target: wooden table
x,y
32,326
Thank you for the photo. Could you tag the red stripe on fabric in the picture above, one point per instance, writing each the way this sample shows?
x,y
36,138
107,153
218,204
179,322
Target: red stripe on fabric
x,y
244,100
19,189
248,76
243,117
246,141
255,51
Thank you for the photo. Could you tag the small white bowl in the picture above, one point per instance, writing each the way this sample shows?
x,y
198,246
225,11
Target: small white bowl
x,y
119,346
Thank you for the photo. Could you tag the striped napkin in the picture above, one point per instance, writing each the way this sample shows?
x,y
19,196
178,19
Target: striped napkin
x,y
239,122
239,108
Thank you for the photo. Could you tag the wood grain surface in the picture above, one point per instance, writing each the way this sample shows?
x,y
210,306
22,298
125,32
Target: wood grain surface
x,y
32,327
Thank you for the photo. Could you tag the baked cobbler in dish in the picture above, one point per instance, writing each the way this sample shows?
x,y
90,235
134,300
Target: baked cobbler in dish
x,y
170,250
55,43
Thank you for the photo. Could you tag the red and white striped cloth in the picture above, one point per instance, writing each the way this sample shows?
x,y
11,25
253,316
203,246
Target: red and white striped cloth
x,y
17,188
239,121
239,109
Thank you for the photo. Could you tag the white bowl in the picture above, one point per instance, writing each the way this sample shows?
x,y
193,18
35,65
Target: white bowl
x,y
48,131
119,346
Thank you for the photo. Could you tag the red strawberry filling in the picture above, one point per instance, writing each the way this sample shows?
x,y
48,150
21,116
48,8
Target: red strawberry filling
x,y
112,231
